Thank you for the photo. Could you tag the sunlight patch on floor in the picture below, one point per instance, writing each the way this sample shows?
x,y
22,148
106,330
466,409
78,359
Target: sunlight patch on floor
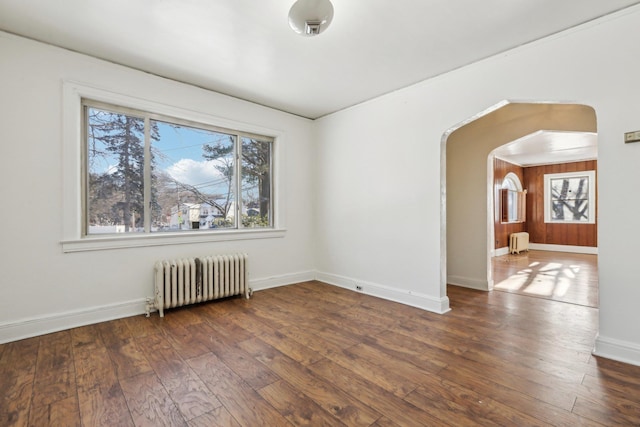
x,y
552,279
549,286
551,266
513,283
570,273
564,277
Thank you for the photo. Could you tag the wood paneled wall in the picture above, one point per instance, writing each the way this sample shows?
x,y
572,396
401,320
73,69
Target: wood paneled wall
x,y
555,234
502,231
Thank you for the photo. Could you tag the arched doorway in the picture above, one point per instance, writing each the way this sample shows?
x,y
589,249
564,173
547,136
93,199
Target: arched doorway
x,y
468,207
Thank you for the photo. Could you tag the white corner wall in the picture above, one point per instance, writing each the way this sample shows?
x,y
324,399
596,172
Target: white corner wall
x,y
44,289
379,172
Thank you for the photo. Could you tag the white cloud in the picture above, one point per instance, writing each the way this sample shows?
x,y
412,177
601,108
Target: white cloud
x,y
192,172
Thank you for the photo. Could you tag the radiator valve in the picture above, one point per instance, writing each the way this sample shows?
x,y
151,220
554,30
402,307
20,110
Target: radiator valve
x,y
150,305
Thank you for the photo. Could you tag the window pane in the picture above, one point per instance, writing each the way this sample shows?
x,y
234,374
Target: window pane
x,y
193,178
513,206
115,182
256,183
569,199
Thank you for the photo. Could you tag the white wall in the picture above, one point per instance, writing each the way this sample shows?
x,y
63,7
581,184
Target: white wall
x,y
42,288
380,175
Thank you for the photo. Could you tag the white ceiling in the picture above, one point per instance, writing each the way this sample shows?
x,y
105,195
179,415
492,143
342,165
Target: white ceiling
x,y
245,48
547,147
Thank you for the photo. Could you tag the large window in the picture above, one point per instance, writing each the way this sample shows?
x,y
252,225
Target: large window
x,y
149,173
570,197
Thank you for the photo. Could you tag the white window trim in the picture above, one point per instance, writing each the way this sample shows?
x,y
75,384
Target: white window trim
x,y
592,196
72,140
513,177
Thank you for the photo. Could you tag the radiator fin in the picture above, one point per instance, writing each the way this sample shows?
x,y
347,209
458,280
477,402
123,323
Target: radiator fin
x,y
187,281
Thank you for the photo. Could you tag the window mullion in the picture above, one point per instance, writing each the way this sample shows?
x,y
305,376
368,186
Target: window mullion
x,y
85,172
147,174
238,181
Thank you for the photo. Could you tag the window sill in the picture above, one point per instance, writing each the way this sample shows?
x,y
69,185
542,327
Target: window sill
x,y
570,222
98,243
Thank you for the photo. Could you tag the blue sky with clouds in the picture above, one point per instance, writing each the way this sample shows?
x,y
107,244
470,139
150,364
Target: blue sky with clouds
x,y
181,155
178,152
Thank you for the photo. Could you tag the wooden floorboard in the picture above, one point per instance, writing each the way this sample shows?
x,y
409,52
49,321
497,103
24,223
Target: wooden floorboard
x,y
559,276
312,354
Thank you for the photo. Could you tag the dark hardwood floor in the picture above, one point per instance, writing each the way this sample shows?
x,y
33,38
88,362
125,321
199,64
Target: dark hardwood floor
x,y
314,354
560,276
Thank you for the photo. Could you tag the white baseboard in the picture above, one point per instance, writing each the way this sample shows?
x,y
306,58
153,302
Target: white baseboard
x,y
31,327
622,351
34,326
281,280
468,282
54,322
403,296
501,251
564,248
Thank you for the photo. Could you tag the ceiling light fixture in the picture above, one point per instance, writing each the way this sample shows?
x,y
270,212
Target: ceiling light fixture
x,y
310,17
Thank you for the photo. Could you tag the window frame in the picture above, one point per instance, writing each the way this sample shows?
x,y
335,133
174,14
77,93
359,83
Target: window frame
x,y
591,176
75,238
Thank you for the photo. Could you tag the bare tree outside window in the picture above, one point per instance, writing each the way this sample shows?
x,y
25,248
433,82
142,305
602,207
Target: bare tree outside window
x,y
256,178
197,191
570,199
